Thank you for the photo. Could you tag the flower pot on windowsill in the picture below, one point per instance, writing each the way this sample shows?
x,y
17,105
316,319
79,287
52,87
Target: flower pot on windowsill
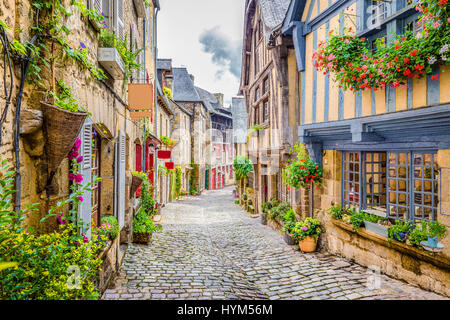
x,y
376,228
135,184
308,244
142,237
288,239
61,129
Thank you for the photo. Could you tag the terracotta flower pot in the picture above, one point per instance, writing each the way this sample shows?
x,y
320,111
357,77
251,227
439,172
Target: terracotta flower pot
x,y
135,184
308,244
61,128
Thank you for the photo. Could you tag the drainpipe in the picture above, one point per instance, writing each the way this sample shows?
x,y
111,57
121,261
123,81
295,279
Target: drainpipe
x,y
155,99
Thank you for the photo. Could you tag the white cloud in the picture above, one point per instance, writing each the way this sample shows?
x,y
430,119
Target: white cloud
x,y
180,25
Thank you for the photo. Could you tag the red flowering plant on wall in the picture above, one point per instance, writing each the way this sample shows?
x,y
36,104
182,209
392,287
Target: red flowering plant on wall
x,y
408,56
302,171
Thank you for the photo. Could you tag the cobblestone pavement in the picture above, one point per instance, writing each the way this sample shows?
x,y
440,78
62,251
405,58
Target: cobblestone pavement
x,y
210,248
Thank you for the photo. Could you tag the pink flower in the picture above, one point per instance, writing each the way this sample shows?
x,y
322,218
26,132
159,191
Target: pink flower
x,y
77,144
71,176
78,178
80,198
304,228
80,159
331,57
61,220
73,155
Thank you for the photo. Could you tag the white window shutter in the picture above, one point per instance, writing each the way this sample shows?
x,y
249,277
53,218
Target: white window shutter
x,y
96,4
119,19
120,179
84,209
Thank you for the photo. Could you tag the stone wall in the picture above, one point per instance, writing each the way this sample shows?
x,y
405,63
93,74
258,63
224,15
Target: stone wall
x,y
107,112
407,263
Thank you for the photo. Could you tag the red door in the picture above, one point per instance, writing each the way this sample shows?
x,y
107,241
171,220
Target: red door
x,y
213,179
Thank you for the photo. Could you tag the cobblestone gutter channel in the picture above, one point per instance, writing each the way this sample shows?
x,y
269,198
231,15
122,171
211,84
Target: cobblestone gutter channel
x,y
210,249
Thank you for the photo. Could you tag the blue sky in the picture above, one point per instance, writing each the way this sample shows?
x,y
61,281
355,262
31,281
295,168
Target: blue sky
x,y
205,36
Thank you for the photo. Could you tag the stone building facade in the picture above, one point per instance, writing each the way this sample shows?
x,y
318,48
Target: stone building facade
x,y
186,95
110,131
265,87
384,152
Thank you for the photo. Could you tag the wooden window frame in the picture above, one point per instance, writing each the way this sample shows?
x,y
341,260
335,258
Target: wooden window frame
x,y
414,210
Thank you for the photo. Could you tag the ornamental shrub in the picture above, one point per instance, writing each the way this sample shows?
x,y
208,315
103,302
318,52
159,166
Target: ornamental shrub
x,y
178,173
48,266
143,223
114,231
242,167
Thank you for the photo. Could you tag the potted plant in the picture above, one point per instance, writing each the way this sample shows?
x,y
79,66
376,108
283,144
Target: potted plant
x,y
399,231
289,221
306,232
136,181
376,224
143,227
62,124
168,142
302,172
435,231
357,219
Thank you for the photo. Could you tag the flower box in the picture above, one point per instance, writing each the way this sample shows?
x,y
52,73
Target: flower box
x,y
169,165
109,59
164,154
376,228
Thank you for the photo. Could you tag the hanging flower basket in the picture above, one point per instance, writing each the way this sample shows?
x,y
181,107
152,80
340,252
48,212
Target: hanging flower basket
x,y
135,184
142,237
61,128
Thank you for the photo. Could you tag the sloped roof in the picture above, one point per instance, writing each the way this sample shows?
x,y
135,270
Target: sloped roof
x,y
209,100
183,87
164,64
273,12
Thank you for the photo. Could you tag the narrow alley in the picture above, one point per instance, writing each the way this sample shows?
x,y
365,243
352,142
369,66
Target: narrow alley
x,y
210,248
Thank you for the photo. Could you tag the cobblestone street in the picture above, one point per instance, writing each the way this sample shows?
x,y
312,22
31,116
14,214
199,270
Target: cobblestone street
x,y
211,249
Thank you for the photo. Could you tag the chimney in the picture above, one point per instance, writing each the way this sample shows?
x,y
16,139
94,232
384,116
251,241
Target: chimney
x,y
219,97
192,78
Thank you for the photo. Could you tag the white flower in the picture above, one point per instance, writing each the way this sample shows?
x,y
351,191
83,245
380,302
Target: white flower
x,y
444,49
432,60
419,35
444,58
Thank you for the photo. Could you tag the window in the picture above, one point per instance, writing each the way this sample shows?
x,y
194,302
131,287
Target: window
x,y
375,177
415,26
266,85
402,185
379,12
257,95
266,111
350,179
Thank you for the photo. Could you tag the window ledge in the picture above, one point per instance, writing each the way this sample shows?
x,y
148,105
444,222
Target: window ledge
x,y
402,13
437,259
